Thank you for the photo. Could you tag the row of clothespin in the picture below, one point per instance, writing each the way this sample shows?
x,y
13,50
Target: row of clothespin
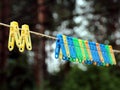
x,y
20,38
82,51
67,48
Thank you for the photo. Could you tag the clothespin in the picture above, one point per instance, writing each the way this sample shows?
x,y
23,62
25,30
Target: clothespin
x,y
100,53
62,47
109,54
105,55
57,48
60,55
23,35
112,54
58,51
78,49
14,35
28,37
89,53
71,49
92,50
11,36
82,50
98,59
66,46
86,52
25,38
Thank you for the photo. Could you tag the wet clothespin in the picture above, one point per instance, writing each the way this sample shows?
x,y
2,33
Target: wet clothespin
x,y
71,49
25,38
14,35
78,50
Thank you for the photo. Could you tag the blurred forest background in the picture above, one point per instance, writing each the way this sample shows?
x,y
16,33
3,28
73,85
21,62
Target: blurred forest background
x,y
94,20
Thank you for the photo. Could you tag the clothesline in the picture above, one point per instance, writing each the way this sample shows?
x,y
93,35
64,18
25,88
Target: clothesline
x,y
32,32
44,35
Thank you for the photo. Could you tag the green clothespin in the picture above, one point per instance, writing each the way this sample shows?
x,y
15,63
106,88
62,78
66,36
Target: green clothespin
x,y
109,54
85,51
82,50
112,55
78,49
88,50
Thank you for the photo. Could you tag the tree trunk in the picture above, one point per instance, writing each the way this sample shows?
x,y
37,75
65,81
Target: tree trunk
x,y
40,66
4,17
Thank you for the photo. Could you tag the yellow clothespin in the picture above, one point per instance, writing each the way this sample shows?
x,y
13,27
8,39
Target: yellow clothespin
x,y
28,38
11,37
60,55
22,46
88,49
99,52
14,35
66,45
17,34
25,38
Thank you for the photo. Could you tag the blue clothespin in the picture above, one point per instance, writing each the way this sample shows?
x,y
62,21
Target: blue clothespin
x,y
71,48
87,61
59,36
57,49
99,63
92,49
104,53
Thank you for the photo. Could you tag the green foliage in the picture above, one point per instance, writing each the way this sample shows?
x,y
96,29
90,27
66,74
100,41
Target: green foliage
x,y
95,78
19,76
105,18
